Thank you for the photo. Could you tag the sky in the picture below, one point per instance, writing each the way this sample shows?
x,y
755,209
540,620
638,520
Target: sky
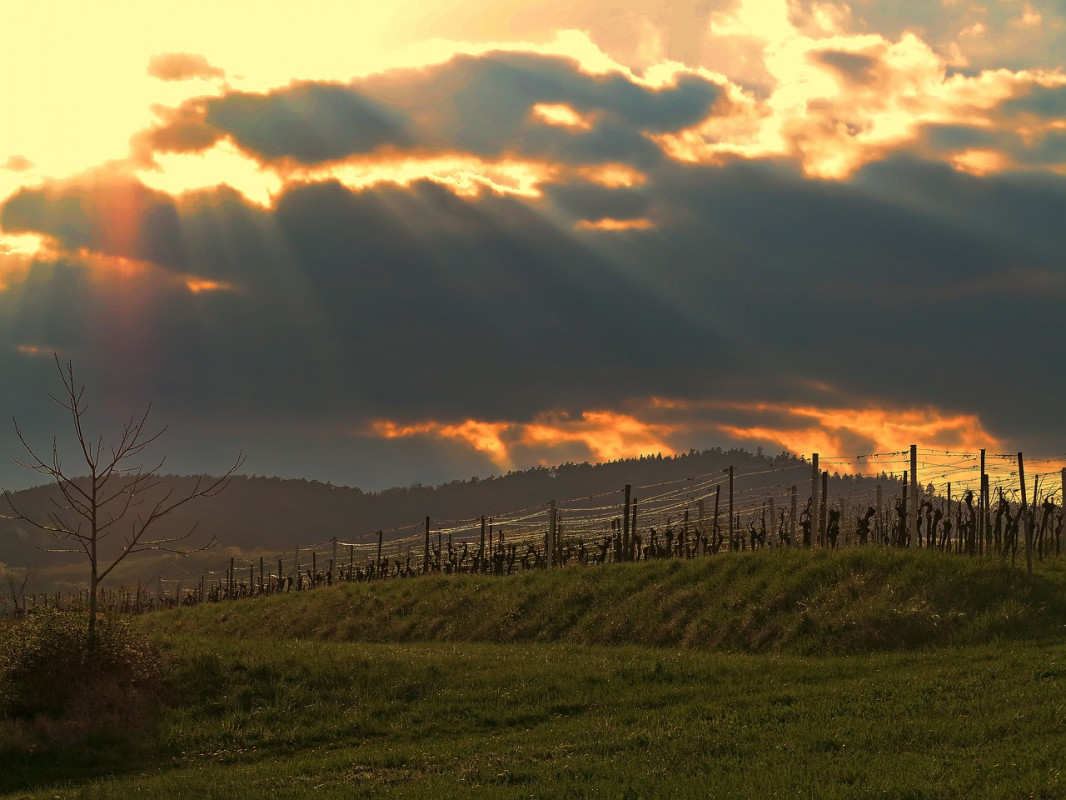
x,y
431,240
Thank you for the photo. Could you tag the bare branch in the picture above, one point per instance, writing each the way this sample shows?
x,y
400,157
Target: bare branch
x,y
89,509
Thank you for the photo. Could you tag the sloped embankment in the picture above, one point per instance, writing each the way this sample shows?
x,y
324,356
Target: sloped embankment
x,y
857,600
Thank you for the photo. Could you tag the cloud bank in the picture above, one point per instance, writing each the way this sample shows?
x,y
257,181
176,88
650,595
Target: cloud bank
x,y
843,234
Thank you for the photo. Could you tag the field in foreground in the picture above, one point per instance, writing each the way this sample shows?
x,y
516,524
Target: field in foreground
x,y
263,705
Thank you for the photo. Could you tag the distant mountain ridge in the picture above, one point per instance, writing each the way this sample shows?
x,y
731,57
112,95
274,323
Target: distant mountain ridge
x,y
275,514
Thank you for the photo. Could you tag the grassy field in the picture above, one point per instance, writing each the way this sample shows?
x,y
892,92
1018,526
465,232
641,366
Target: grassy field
x,y
769,674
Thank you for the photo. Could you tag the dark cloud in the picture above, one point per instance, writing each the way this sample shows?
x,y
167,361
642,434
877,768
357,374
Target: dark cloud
x,y
911,284
310,123
392,301
902,285
182,130
483,104
1044,101
478,105
856,67
111,214
1049,148
181,67
588,201
949,138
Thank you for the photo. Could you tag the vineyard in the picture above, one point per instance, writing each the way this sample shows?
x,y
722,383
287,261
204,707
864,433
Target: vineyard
x,y
969,503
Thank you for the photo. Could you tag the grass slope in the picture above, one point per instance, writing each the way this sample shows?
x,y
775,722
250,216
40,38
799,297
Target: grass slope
x,y
608,682
855,600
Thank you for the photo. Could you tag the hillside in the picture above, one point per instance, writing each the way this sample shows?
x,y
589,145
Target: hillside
x,y
809,601
270,514
748,675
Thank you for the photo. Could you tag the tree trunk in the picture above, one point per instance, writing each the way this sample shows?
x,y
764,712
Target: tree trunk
x,y
93,591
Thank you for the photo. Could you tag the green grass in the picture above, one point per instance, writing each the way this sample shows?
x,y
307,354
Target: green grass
x,y
549,687
856,600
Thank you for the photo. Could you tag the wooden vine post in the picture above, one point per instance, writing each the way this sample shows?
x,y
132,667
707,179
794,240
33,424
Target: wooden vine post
x,y
912,510
717,518
633,554
701,548
731,521
549,540
1024,511
815,474
823,508
425,553
982,505
792,521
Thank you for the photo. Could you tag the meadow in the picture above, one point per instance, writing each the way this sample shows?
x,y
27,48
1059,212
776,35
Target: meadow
x,y
865,672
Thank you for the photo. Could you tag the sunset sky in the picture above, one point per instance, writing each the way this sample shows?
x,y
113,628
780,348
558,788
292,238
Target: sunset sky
x,y
440,239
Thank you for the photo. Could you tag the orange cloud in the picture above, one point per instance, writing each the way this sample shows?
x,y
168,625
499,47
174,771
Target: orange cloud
x,y
612,176
608,224
466,175
980,162
390,430
832,432
485,437
866,440
560,114
17,252
197,285
608,435
181,67
604,435
837,100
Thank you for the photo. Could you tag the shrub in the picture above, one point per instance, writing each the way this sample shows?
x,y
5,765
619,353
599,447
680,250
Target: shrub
x,y
49,674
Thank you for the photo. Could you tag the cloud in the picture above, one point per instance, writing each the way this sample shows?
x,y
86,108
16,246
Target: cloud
x,y
745,281
549,438
18,163
182,67
104,211
854,67
846,437
309,123
1047,102
488,106
503,256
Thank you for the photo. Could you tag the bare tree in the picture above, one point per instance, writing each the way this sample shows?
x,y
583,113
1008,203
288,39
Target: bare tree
x,y
116,495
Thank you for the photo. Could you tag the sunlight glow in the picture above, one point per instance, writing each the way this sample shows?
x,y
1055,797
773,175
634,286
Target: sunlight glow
x,y
665,425
608,435
222,164
262,184
608,224
612,176
837,100
18,251
980,162
467,176
604,435
197,285
560,114
831,431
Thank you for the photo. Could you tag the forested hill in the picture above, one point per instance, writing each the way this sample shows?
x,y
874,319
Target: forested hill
x,y
274,514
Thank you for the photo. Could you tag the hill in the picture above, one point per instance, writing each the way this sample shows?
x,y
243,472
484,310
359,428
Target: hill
x,y
542,684
797,600
260,514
